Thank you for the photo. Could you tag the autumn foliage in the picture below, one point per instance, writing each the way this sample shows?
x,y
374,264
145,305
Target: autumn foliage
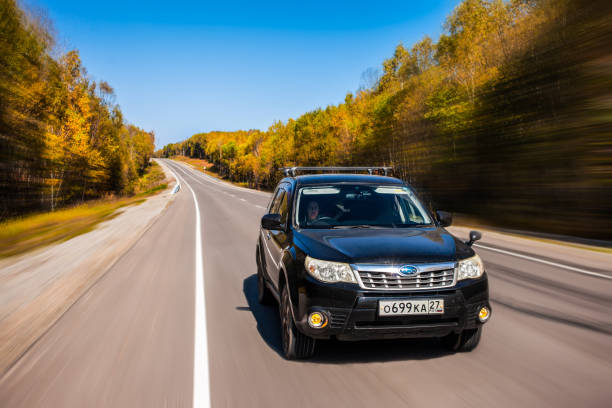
x,y
62,138
507,116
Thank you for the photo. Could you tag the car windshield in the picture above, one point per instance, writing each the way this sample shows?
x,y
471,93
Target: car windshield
x,y
359,206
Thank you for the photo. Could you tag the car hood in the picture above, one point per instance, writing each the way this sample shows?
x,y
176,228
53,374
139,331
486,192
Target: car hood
x,y
383,246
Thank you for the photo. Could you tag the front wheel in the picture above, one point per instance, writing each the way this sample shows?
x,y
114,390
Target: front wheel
x,y
296,345
467,340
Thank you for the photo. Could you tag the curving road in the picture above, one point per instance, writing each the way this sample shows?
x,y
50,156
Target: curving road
x,y
129,341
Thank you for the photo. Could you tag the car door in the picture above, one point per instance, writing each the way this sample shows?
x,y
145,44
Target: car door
x,y
279,239
266,236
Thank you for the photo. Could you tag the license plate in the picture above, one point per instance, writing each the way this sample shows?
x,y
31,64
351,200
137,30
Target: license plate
x,y
410,307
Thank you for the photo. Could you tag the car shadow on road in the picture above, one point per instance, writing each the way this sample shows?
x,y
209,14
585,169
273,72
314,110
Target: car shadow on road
x,y
268,322
340,352
377,351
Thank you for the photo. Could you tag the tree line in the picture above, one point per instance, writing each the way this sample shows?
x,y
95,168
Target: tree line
x,y
62,137
507,117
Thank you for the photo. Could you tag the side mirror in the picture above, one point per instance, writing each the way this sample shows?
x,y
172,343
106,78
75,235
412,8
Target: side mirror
x,y
474,236
445,218
271,222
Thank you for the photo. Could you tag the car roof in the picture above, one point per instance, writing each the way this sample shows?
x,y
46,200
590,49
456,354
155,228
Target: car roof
x,y
314,179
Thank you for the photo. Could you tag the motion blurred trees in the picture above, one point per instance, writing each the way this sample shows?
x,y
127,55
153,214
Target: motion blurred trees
x,y
61,137
506,117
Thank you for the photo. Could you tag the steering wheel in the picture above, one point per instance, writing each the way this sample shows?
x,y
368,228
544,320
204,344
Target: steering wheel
x,y
322,221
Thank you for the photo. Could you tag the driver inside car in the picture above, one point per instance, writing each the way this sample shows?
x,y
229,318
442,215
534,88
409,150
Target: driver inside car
x,y
313,211
314,217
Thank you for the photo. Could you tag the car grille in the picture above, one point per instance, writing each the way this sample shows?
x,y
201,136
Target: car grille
x,y
419,281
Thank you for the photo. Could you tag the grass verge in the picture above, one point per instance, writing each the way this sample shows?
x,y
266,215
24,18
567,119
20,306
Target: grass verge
x,y
34,231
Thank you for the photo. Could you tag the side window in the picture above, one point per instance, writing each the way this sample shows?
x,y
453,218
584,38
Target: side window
x,y
282,208
275,200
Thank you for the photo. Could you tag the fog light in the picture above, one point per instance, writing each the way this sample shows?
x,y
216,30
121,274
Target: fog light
x,y
317,320
484,314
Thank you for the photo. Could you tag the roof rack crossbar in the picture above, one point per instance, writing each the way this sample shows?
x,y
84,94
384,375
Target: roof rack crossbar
x,y
292,171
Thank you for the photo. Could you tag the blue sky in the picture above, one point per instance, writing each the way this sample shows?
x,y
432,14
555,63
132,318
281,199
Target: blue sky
x,y
179,68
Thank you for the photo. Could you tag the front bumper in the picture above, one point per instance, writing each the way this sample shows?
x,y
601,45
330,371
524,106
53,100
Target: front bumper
x,y
353,312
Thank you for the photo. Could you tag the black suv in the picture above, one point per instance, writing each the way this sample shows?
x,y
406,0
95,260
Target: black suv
x,y
358,256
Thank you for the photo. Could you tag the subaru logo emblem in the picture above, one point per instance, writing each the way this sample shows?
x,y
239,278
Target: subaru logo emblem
x,y
407,270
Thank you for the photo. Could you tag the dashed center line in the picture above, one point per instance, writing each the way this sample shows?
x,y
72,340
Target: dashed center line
x,y
192,174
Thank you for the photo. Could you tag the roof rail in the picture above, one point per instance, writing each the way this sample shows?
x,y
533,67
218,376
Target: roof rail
x,y
292,171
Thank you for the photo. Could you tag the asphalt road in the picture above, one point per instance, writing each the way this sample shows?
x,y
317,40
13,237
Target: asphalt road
x,y
129,341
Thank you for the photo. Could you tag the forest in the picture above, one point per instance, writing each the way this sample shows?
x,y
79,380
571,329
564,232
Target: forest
x,y
63,140
506,117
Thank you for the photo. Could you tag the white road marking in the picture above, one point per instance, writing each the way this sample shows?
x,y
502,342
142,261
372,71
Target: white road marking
x,y
211,179
191,174
178,182
196,175
201,383
558,265
200,182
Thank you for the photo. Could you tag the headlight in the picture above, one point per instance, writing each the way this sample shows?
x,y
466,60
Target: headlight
x,y
329,272
470,268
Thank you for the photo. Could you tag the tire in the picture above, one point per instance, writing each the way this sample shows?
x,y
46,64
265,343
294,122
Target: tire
x,y
264,296
296,345
465,341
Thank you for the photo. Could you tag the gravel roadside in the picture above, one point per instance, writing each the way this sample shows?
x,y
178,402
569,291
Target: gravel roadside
x,y
38,287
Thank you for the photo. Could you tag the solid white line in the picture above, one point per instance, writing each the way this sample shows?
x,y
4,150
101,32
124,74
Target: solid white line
x,y
201,383
191,174
558,265
201,386
222,183
178,182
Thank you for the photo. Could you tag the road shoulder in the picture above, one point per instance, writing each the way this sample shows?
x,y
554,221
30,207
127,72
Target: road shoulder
x,y
37,288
